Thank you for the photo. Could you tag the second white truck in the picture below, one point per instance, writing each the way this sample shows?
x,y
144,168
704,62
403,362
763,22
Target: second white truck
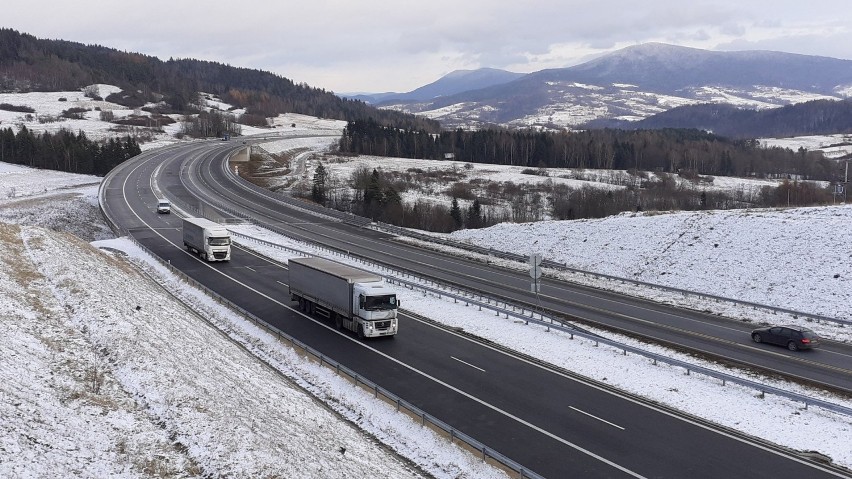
x,y
207,238
354,299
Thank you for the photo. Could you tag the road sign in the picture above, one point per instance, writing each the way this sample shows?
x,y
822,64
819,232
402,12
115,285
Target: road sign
x,y
535,271
535,259
535,266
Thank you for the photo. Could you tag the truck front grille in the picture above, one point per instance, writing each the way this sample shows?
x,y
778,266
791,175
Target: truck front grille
x,y
382,324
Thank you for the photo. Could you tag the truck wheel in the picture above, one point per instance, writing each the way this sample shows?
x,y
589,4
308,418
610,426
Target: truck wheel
x,y
338,321
360,332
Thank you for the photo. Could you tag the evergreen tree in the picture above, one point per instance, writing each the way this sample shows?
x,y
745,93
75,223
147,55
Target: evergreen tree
x,y
373,194
474,214
318,191
391,196
455,213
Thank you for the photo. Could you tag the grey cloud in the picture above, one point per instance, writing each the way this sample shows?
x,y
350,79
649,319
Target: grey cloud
x,y
384,45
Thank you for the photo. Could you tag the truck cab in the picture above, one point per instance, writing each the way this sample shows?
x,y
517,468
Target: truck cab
x,y
163,206
376,307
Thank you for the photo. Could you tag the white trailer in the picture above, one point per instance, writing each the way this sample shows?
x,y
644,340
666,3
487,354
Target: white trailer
x,y
207,238
354,299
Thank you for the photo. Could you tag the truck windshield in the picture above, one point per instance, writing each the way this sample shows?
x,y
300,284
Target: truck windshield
x,y
373,303
225,241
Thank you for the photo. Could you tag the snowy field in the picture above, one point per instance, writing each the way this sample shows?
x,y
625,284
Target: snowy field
x,y
433,180
125,396
832,146
49,106
797,259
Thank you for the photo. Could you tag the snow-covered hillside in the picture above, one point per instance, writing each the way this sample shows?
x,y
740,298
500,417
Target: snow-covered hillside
x,y
794,259
49,107
433,181
832,146
640,81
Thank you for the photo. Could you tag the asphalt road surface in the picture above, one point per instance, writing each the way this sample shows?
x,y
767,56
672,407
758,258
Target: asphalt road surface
x,y
554,423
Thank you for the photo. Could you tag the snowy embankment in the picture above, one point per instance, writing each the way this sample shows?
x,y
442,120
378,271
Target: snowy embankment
x,y
795,259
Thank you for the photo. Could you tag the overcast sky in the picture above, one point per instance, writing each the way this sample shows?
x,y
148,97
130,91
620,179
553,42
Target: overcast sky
x,y
351,46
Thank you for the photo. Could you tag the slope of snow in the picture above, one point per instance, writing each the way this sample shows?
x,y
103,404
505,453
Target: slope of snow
x,y
307,123
832,146
797,259
48,108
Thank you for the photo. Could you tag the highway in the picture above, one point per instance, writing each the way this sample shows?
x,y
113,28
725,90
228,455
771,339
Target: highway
x,y
714,337
555,423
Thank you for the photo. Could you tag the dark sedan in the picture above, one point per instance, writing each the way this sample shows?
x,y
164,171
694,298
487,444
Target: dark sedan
x,y
793,337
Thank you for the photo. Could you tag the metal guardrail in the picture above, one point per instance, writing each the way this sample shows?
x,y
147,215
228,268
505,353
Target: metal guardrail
x,y
564,267
396,230
546,321
487,454
550,322
469,298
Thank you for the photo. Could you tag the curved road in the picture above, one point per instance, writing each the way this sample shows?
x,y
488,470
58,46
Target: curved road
x,y
554,423
719,338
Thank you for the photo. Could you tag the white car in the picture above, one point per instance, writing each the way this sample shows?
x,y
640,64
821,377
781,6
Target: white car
x,y
163,206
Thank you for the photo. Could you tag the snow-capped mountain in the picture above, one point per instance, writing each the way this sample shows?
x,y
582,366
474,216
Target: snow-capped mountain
x,y
640,81
454,82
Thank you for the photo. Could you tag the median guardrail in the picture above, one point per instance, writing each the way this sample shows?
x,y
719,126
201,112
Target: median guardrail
x,y
475,299
528,315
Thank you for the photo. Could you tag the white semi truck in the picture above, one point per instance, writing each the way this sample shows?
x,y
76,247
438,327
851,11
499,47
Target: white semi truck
x,y
207,238
354,299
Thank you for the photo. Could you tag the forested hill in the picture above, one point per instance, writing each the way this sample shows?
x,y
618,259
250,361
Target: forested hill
x,y
28,63
666,150
817,117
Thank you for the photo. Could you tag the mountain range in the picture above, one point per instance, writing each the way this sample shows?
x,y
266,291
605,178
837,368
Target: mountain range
x,y
455,82
631,84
